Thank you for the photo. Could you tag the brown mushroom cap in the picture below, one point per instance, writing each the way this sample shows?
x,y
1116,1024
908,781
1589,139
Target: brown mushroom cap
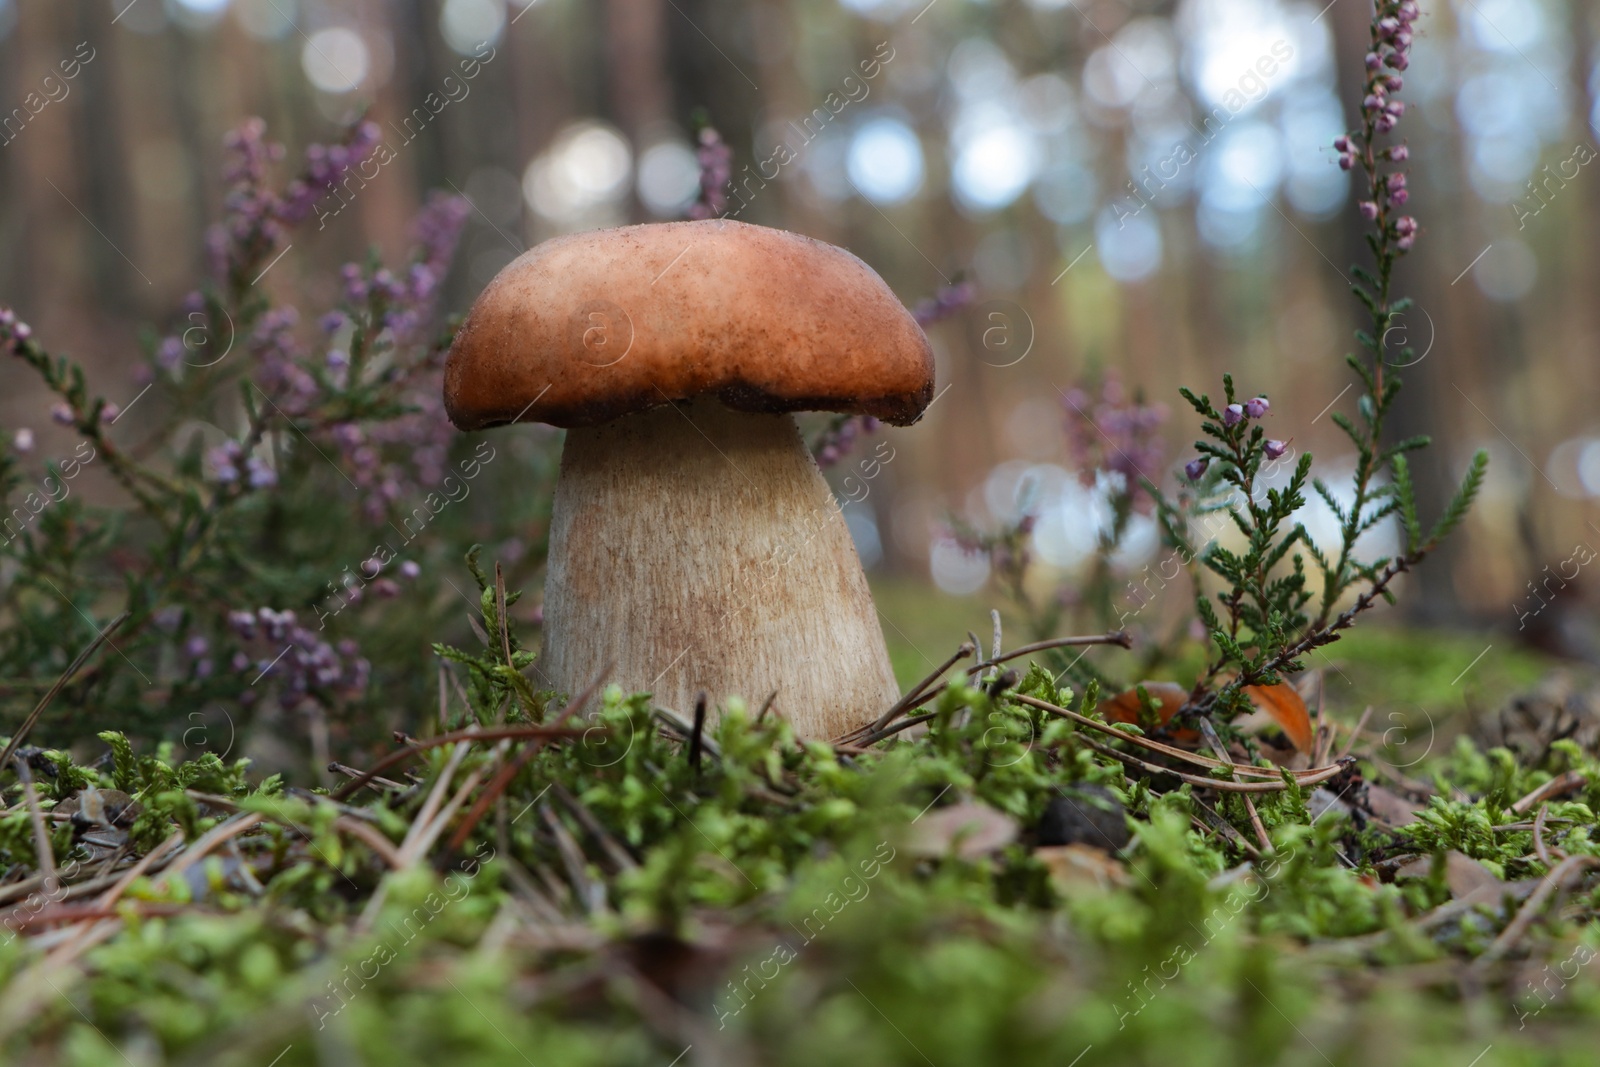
x,y
591,326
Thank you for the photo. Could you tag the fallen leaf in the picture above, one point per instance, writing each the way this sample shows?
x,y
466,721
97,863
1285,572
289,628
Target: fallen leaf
x,y
1467,878
1390,808
1283,703
1075,866
969,830
1167,697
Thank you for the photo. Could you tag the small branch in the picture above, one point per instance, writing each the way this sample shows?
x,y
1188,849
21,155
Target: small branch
x,y
914,695
414,746
1539,848
1214,822
1517,927
1559,786
1221,750
1154,746
370,837
41,833
1220,784
1117,637
372,783
889,731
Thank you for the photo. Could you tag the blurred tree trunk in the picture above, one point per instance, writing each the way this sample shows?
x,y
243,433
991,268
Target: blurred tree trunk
x,y
636,45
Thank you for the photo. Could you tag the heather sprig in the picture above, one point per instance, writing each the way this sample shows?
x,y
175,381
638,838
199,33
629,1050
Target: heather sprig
x,y
1118,433
1264,631
1261,607
241,515
716,169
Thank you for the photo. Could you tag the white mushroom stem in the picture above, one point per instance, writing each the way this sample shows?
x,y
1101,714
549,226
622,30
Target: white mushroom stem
x,y
699,548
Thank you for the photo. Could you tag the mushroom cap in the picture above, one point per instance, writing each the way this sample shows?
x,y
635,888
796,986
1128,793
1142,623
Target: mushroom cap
x,y
591,326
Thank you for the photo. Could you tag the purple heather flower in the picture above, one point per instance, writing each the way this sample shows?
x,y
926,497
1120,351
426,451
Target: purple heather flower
x,y
240,662
62,414
223,461
196,646
1397,60
1275,449
1195,468
262,476
109,412
355,283
1404,244
1383,123
276,623
387,588
1395,108
1405,226
333,321
21,332
1115,433
716,169
1373,102
242,623
410,569
1399,153
1374,61
169,353
1256,407
837,440
22,443
949,300
1233,414
1341,143
1408,11
1388,27
1399,197
1394,83
1369,209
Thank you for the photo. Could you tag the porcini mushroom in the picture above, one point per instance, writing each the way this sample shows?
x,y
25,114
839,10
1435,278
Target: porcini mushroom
x,y
694,545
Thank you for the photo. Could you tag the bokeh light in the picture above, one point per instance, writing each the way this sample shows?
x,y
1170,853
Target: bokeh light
x,y
467,25
994,165
266,20
1507,271
581,176
669,178
885,160
1129,247
336,60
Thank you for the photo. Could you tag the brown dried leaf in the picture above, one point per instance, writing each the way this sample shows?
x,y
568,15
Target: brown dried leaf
x,y
968,829
1286,708
1073,867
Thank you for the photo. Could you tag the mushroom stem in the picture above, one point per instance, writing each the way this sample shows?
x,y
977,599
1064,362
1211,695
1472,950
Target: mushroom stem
x,y
699,548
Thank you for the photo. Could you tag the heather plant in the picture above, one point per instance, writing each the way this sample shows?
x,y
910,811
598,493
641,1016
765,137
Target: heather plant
x,y
1114,442
1262,622
288,470
1266,593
